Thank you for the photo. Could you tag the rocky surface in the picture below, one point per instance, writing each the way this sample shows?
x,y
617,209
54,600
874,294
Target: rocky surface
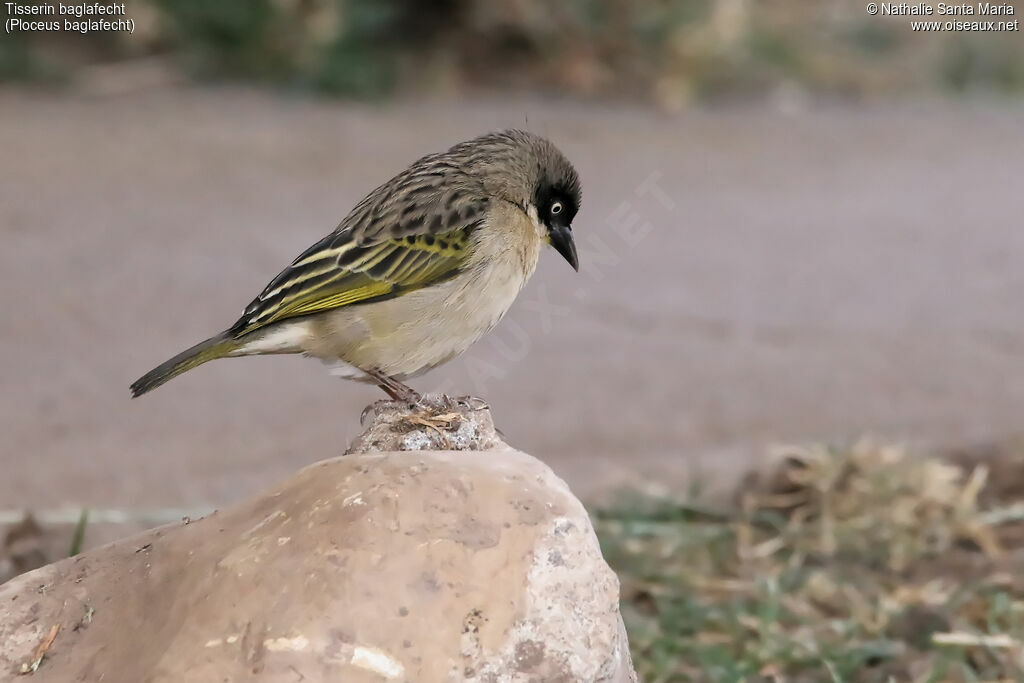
x,y
376,566
437,423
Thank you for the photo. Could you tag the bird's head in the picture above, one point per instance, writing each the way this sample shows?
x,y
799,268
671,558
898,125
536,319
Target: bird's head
x,y
530,172
555,201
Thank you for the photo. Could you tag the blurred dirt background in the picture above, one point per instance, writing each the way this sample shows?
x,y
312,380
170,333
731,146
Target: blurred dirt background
x,y
799,223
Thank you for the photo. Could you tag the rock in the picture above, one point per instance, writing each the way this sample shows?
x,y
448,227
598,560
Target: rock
x,y
389,566
463,424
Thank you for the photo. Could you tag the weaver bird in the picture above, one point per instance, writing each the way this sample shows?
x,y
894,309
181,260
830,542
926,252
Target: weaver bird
x,y
420,269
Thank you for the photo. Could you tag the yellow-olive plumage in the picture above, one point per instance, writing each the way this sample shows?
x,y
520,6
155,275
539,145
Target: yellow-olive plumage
x,y
420,269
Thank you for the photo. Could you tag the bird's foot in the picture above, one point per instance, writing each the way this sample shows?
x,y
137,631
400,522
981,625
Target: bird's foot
x,y
397,390
406,395
444,403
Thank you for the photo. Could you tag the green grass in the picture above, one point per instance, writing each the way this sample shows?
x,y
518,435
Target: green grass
x,y
857,565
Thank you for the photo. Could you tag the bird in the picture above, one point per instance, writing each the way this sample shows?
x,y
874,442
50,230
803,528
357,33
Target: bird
x,y
420,269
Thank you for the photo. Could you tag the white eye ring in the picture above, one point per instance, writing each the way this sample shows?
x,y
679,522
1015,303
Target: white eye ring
x,y
556,208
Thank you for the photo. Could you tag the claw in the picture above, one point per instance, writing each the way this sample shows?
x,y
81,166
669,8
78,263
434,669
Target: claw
x,y
367,411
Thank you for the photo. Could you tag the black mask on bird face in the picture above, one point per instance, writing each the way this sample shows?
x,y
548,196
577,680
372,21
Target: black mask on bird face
x,y
556,207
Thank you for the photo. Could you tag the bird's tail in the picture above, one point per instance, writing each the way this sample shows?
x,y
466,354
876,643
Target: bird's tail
x,y
215,347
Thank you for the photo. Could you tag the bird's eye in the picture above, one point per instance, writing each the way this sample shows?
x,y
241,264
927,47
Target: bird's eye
x,y
556,208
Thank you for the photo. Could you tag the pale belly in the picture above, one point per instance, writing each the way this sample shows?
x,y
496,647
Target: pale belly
x,y
411,334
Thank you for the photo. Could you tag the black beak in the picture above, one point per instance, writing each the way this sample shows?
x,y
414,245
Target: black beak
x,y
561,240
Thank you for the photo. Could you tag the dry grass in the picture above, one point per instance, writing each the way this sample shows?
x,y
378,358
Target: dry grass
x,y
865,564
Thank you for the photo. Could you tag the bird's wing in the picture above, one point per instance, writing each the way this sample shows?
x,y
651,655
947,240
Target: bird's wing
x,y
409,233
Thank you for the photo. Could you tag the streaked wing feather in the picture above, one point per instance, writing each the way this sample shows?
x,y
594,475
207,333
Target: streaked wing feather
x,y
410,233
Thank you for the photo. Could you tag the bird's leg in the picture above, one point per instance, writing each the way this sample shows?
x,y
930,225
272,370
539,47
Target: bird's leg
x,y
393,388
